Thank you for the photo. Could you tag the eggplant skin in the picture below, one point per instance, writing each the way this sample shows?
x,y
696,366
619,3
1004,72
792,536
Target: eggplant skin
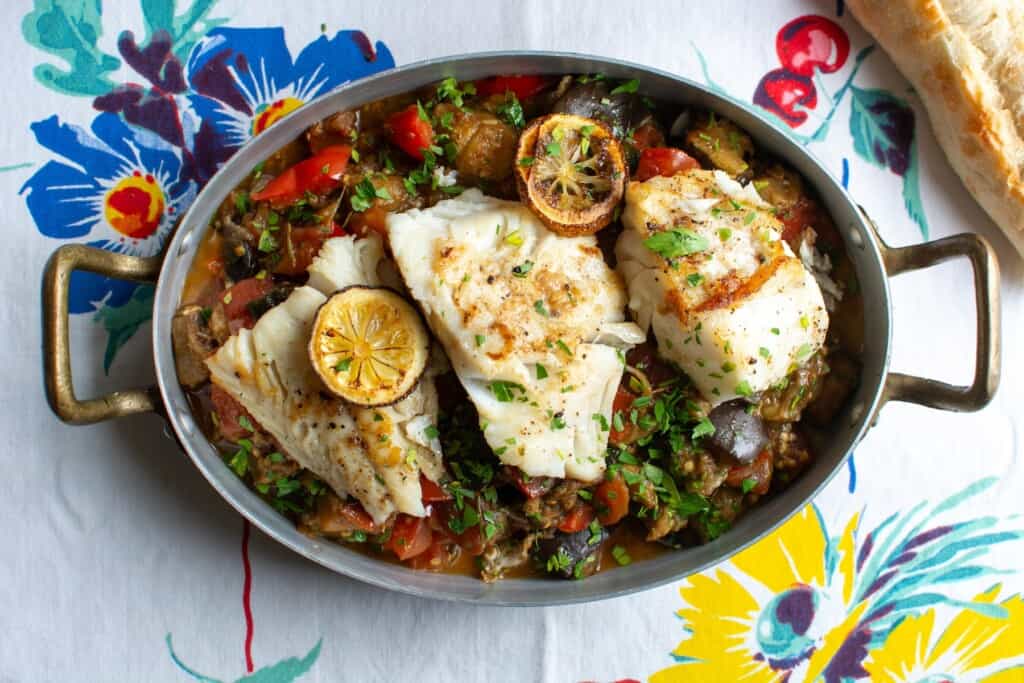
x,y
582,549
738,433
621,112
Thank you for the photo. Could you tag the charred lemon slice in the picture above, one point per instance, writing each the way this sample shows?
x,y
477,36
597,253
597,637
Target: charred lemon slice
x,y
570,171
369,345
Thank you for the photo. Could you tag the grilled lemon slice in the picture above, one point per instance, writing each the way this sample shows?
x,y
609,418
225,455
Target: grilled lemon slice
x,y
571,172
369,345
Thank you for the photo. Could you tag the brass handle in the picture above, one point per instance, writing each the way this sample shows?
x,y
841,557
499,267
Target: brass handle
x,y
930,392
60,389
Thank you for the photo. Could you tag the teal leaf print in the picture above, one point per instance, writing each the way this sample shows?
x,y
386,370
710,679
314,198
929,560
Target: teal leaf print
x,y
285,671
185,29
882,127
121,322
70,30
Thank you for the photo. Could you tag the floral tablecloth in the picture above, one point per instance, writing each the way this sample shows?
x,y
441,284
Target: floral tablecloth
x,y
120,563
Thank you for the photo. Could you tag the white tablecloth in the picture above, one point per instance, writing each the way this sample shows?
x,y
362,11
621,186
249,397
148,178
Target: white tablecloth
x,y
120,563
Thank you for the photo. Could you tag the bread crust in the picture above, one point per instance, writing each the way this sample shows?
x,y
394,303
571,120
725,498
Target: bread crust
x,y
965,58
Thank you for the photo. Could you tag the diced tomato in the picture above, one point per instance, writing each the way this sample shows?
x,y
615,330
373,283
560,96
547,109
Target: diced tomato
x,y
613,496
758,473
435,558
410,133
472,541
623,401
646,136
431,492
240,295
577,519
228,412
355,515
410,536
521,86
318,174
531,487
663,161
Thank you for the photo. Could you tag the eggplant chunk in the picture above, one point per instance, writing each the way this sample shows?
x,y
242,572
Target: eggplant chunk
x,y
622,112
572,556
721,144
738,433
837,385
192,343
486,146
240,260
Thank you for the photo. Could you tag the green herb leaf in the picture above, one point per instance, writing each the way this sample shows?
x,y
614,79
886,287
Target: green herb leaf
x,y
677,242
523,269
627,87
542,372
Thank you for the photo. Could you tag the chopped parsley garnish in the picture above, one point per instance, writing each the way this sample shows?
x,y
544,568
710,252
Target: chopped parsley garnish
x,y
505,391
244,422
542,372
343,365
523,269
804,351
750,218
365,193
621,556
242,202
526,161
563,347
470,518
450,90
267,242
694,279
743,389
553,149
480,339
239,462
630,86
538,306
748,484
677,242
703,428
775,331
512,111
559,561
557,421
724,234
602,421
431,432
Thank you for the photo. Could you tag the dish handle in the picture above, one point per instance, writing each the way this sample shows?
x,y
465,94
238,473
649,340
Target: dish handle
x,y
930,392
60,391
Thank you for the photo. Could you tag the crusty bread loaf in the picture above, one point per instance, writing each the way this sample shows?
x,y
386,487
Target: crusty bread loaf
x,y
965,58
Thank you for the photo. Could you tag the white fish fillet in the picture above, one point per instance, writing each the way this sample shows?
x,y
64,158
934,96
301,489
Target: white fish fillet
x,y
372,454
510,301
736,316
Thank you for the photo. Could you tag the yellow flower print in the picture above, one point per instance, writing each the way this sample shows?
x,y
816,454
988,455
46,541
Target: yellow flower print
x,y
803,605
975,646
783,617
